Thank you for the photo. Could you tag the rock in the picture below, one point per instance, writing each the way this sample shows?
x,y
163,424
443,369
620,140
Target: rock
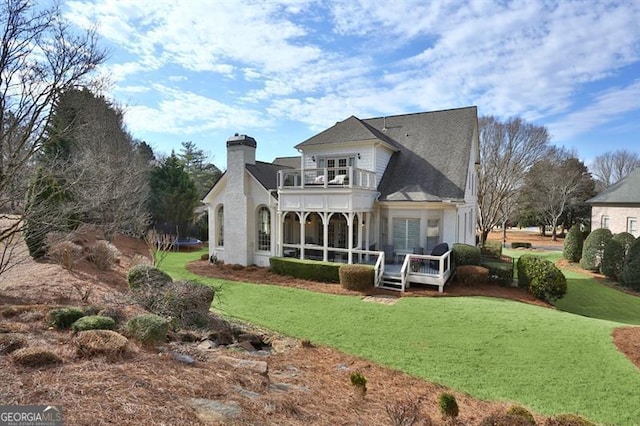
x,y
260,367
207,345
342,367
185,359
243,346
210,411
283,345
289,372
286,387
221,337
247,393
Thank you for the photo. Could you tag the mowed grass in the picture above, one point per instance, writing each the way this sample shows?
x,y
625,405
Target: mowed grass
x,y
586,296
551,361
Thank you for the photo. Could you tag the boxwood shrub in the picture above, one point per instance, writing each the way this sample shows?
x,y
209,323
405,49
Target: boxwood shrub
x,y
472,274
148,328
63,317
631,269
94,322
626,239
572,249
328,272
541,277
357,277
500,270
465,254
612,259
593,248
491,249
147,276
520,244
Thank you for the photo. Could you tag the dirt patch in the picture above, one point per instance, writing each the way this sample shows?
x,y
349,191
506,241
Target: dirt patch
x,y
627,339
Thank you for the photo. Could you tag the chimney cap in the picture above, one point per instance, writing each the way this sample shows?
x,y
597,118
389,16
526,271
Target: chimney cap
x,y
237,139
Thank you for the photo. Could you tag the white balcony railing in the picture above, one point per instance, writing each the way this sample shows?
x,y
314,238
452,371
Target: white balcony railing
x,y
349,177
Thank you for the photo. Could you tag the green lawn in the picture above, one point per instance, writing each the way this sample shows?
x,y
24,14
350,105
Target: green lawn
x,y
585,296
549,360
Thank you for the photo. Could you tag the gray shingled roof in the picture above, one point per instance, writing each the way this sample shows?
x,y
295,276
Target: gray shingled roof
x,y
293,162
433,160
266,173
432,151
625,191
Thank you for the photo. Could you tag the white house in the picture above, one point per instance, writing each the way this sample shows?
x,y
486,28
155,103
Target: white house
x,y
617,208
384,190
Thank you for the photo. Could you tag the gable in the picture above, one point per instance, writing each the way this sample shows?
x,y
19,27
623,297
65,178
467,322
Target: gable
x,y
626,191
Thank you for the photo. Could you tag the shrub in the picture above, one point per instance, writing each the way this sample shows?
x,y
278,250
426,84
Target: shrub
x,y
518,244
36,357
504,419
593,248
356,277
491,249
518,411
103,254
63,317
10,342
359,382
64,253
100,342
568,420
465,254
93,322
573,242
542,278
471,274
186,302
147,276
612,259
306,269
500,270
448,405
625,239
148,328
405,413
631,269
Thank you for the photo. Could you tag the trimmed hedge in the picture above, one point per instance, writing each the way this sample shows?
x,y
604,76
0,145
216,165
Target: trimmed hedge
x,y
612,259
465,254
500,270
149,328
357,277
572,249
541,277
491,249
94,322
64,317
472,274
631,269
625,239
520,244
327,272
593,248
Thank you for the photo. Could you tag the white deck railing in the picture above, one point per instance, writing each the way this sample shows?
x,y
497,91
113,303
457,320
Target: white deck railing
x,y
343,177
426,269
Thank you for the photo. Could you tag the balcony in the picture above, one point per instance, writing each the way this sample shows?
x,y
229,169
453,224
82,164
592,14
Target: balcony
x,y
334,178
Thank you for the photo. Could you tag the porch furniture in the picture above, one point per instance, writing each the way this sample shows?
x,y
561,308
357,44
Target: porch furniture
x,y
418,250
389,253
438,250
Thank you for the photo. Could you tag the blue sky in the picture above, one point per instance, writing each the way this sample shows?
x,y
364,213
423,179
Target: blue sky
x,y
282,71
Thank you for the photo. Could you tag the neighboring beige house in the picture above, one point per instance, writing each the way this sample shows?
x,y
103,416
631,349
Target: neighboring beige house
x,y
618,207
385,191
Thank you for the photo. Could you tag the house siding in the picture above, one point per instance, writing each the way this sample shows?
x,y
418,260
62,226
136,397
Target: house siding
x,y
618,216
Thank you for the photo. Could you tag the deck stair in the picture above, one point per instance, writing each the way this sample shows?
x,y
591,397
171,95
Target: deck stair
x,y
392,281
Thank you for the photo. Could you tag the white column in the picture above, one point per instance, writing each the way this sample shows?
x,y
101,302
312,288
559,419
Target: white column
x,y
303,224
350,237
325,235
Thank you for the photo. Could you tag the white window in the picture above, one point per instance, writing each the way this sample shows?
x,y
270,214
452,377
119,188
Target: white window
x,y
220,226
406,234
632,226
264,229
604,222
336,165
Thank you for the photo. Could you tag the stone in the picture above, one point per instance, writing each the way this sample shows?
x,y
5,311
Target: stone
x,y
210,411
247,393
243,346
283,345
260,367
185,359
287,387
207,345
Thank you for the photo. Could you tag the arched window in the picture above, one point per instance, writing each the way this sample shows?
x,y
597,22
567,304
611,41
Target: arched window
x,y
264,229
220,226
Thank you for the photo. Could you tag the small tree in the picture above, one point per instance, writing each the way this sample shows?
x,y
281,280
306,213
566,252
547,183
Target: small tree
x,y
593,249
573,244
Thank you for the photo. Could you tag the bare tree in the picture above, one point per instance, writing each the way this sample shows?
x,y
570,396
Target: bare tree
x,y
39,57
507,150
610,167
554,184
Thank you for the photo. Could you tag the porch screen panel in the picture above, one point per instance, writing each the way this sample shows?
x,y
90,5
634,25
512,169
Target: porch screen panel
x,y
433,234
406,234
